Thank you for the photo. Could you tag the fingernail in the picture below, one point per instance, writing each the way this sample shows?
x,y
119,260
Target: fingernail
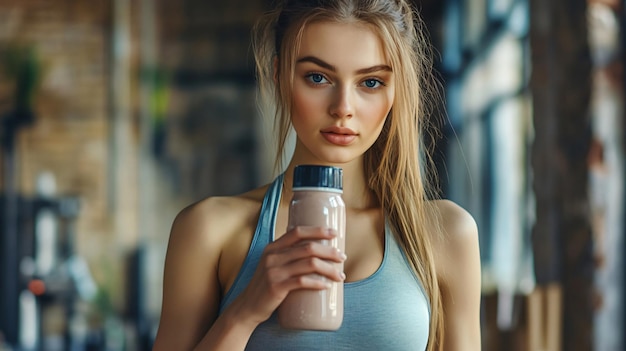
x,y
342,255
343,276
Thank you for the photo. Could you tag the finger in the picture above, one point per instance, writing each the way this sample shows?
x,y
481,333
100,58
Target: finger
x,y
310,266
318,248
306,282
314,265
302,233
305,249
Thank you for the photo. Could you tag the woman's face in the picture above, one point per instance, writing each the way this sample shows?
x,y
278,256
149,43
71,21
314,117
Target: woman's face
x,y
342,92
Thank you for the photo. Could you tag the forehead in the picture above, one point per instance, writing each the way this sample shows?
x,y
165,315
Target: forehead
x,y
345,45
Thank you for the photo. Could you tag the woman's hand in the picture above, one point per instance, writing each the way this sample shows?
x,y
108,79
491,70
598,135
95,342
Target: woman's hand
x,y
288,264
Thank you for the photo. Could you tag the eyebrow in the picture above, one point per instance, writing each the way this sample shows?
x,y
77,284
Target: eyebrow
x,y
332,68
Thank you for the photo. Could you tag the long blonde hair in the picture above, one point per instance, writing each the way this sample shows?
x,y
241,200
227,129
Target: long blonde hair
x,y
392,165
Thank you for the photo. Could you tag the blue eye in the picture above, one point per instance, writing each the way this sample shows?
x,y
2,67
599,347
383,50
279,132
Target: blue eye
x,y
316,78
372,83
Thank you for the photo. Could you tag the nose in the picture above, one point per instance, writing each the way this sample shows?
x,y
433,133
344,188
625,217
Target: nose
x,y
343,103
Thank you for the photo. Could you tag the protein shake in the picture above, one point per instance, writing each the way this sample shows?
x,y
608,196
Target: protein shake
x,y
316,202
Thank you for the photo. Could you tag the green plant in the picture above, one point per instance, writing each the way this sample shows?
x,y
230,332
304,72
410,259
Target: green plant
x,y
21,64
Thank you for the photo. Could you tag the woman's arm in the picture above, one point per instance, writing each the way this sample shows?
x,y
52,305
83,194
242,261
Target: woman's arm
x,y
191,286
191,289
458,269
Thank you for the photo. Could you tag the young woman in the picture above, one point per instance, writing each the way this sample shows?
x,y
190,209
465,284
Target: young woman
x,y
350,77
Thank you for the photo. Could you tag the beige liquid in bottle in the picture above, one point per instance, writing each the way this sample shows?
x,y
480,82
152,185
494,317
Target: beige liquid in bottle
x,y
316,202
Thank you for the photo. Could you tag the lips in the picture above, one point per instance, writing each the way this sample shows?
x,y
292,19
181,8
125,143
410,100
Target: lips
x,y
339,135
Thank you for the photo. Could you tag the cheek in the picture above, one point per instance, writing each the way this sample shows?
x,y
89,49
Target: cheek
x,y
379,109
299,105
305,104
308,109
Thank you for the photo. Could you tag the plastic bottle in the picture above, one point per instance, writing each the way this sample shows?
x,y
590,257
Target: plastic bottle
x,y
316,202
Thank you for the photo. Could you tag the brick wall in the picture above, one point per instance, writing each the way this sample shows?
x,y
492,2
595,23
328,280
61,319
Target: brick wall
x,y
69,137
210,142
213,120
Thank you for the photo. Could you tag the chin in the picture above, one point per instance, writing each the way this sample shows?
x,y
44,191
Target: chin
x,y
338,157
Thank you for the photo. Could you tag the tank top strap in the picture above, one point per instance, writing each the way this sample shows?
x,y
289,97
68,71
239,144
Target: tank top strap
x,y
263,235
267,219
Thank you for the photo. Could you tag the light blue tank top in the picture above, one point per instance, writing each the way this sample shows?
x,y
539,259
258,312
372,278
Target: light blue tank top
x,y
386,311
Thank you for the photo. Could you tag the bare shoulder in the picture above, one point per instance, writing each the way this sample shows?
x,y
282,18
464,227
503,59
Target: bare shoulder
x,y
457,262
457,223
213,220
218,230
457,242
191,285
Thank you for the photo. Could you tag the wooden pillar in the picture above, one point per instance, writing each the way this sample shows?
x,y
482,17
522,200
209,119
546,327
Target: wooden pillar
x,y
561,86
544,318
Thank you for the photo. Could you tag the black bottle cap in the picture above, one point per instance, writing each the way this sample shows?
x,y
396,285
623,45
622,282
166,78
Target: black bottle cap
x,y
314,176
